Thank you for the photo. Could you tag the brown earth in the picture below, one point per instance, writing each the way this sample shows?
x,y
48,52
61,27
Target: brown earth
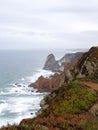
x,y
91,84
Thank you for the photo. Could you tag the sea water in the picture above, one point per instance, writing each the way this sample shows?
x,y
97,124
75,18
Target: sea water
x,y
17,70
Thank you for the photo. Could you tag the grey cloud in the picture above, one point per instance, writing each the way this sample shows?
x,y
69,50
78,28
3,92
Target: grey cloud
x,y
75,6
72,10
48,23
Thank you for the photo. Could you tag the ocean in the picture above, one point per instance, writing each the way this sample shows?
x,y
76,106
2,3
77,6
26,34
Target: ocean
x,y
17,70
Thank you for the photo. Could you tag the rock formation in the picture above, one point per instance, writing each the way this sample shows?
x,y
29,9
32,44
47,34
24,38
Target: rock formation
x,y
86,66
51,63
48,84
69,59
52,83
58,65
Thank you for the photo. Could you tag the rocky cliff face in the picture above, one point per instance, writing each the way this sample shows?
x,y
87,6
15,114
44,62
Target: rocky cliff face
x,y
52,83
69,59
58,65
86,66
48,84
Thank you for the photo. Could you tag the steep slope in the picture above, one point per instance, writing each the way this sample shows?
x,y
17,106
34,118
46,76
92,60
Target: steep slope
x,y
74,105
86,66
54,82
48,84
71,107
69,59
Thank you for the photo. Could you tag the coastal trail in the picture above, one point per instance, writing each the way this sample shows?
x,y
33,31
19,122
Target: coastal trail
x,y
93,85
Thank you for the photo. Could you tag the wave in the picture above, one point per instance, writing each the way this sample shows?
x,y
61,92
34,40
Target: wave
x,y
3,105
21,101
38,73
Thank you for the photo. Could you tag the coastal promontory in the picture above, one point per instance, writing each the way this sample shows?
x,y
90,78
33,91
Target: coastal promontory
x,y
73,105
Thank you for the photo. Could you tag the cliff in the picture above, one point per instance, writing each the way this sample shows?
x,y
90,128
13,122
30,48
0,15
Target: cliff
x,y
48,84
77,65
86,66
74,104
58,65
54,82
69,59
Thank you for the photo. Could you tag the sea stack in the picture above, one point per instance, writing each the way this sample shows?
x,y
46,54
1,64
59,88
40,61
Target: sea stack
x,y
51,63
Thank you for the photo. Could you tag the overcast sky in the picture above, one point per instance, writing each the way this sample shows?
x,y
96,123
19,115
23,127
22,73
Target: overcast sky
x,y
35,24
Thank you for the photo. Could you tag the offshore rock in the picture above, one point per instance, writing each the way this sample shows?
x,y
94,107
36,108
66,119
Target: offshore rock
x,y
51,63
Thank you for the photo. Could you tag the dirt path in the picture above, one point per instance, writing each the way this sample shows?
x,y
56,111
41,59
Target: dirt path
x,y
93,85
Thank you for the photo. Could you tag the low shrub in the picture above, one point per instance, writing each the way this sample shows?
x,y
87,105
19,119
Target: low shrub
x,y
74,99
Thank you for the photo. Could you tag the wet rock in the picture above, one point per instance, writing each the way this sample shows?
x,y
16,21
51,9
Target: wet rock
x,y
31,113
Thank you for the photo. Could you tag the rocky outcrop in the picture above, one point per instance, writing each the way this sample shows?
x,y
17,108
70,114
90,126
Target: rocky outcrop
x,y
58,65
69,59
86,66
51,63
48,84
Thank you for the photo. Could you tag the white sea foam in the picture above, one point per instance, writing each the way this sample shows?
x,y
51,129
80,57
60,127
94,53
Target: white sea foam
x,y
22,101
22,79
3,106
38,73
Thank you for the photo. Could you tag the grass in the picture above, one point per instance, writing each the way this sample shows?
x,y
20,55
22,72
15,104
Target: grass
x,y
73,99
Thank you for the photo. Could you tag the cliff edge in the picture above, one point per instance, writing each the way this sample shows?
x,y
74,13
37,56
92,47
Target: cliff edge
x,y
74,104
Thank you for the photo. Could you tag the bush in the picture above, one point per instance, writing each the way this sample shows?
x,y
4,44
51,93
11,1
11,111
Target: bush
x,y
74,99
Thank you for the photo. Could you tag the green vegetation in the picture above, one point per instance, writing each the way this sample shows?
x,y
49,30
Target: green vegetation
x,y
88,77
91,124
68,110
73,99
19,127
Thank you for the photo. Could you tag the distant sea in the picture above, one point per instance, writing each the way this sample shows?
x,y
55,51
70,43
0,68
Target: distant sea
x,y
17,70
